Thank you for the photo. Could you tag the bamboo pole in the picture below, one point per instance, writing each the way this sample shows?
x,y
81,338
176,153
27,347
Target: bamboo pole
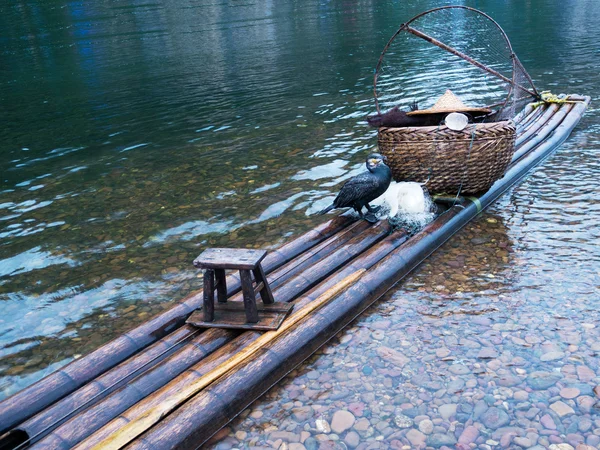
x,y
135,428
544,132
72,432
48,390
314,255
530,121
172,388
364,261
538,124
314,274
535,156
86,422
552,137
207,412
333,252
523,114
403,261
321,265
433,242
530,114
526,121
43,423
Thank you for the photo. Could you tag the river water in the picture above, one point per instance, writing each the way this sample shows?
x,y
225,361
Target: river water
x,y
135,134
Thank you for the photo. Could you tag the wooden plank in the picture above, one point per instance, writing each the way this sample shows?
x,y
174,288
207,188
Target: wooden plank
x,y
232,315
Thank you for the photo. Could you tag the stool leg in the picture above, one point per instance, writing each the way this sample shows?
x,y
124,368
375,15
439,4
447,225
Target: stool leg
x,y
221,286
209,295
265,293
249,296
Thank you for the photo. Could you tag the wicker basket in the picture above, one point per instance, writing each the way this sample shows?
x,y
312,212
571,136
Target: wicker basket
x,y
467,161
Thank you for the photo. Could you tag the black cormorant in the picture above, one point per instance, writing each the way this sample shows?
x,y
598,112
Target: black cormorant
x,y
361,189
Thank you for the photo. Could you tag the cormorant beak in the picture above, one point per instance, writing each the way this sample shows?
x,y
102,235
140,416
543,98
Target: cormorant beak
x,y
374,162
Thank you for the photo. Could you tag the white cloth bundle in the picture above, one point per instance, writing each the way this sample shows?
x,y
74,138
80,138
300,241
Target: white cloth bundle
x,y
403,197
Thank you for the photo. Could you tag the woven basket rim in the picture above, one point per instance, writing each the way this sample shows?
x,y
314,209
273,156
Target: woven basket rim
x,y
465,139
479,126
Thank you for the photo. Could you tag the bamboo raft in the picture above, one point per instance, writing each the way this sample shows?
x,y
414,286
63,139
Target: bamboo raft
x,y
167,384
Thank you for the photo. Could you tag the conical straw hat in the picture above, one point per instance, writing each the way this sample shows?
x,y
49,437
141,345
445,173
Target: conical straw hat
x,y
448,103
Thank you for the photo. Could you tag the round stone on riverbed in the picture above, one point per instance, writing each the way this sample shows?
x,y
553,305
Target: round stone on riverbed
x,y
342,421
569,392
495,418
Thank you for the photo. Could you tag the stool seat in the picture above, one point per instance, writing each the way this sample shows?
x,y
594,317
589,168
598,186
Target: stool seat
x,y
215,261
229,258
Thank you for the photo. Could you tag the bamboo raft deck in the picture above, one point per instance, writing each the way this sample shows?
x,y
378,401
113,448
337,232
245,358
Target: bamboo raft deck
x,y
167,384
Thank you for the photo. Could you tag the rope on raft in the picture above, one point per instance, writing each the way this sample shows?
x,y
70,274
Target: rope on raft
x,y
549,97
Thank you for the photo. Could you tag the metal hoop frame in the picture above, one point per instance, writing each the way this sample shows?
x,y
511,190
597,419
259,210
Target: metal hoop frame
x,y
406,27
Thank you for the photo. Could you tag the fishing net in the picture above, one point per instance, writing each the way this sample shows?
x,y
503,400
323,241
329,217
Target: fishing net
x,y
457,48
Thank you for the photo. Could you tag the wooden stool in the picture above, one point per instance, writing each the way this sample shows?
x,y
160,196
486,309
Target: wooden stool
x,y
215,261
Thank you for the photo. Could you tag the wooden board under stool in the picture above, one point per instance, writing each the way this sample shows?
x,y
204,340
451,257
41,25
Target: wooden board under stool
x,y
233,315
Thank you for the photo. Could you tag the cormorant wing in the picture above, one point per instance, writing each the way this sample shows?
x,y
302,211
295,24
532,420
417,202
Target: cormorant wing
x,y
356,188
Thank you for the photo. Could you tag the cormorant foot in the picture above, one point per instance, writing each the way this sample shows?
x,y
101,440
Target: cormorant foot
x,y
371,218
373,209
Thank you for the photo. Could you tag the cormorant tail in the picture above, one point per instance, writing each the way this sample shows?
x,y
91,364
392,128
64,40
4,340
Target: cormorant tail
x,y
375,121
326,210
